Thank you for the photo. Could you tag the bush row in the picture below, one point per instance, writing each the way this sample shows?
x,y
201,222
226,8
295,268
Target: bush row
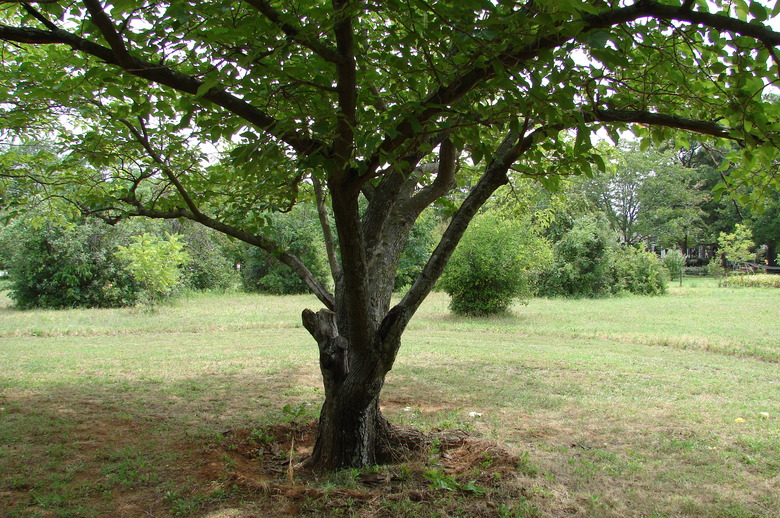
x,y
758,280
590,263
56,264
499,260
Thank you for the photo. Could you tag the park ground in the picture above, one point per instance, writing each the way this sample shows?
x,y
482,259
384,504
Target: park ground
x,y
627,407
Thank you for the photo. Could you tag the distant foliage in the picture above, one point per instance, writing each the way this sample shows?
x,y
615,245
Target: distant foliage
x,y
761,280
674,262
493,265
299,233
155,263
737,245
68,265
419,246
715,268
208,268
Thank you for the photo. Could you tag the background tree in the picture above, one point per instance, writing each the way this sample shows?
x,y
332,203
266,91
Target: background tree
x,y
737,246
734,202
350,99
647,195
765,226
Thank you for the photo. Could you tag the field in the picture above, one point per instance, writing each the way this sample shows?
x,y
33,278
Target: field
x,y
629,407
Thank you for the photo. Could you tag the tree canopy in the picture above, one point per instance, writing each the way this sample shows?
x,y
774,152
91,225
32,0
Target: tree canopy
x,y
221,111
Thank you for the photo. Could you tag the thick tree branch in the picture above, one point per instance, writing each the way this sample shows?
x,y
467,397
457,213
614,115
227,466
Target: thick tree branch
x,y
103,23
444,181
38,16
397,186
715,21
346,72
662,119
294,33
166,76
316,287
358,324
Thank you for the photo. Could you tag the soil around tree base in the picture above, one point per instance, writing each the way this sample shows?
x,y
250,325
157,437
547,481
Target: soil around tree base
x,y
448,471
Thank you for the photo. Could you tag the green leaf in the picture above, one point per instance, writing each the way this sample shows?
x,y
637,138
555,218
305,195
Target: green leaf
x,y
758,11
597,39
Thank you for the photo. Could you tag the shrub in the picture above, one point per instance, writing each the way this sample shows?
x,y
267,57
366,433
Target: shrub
x,y
674,262
583,261
715,268
68,265
299,233
639,272
154,263
589,263
493,265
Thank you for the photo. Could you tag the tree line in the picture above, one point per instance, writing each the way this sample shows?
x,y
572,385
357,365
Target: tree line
x,y
594,236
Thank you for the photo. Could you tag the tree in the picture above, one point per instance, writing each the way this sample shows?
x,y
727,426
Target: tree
x,y
766,227
647,196
220,111
737,245
755,206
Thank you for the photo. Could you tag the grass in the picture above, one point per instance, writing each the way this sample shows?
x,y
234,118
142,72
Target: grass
x,y
642,407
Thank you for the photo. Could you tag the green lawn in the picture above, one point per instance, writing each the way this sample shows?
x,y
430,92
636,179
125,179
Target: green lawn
x,y
664,406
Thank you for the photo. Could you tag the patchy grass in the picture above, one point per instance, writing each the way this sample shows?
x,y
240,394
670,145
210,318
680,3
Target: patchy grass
x,y
665,406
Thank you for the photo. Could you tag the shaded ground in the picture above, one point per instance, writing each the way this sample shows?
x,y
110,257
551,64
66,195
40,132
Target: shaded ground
x,y
86,460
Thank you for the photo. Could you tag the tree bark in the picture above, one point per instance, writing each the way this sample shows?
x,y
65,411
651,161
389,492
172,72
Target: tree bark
x,y
352,431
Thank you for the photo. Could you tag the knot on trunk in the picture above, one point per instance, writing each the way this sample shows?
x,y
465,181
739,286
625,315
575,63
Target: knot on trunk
x,y
333,347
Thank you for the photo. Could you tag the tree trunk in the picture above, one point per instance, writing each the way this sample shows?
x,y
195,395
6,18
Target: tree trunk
x,y
352,431
771,254
350,434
